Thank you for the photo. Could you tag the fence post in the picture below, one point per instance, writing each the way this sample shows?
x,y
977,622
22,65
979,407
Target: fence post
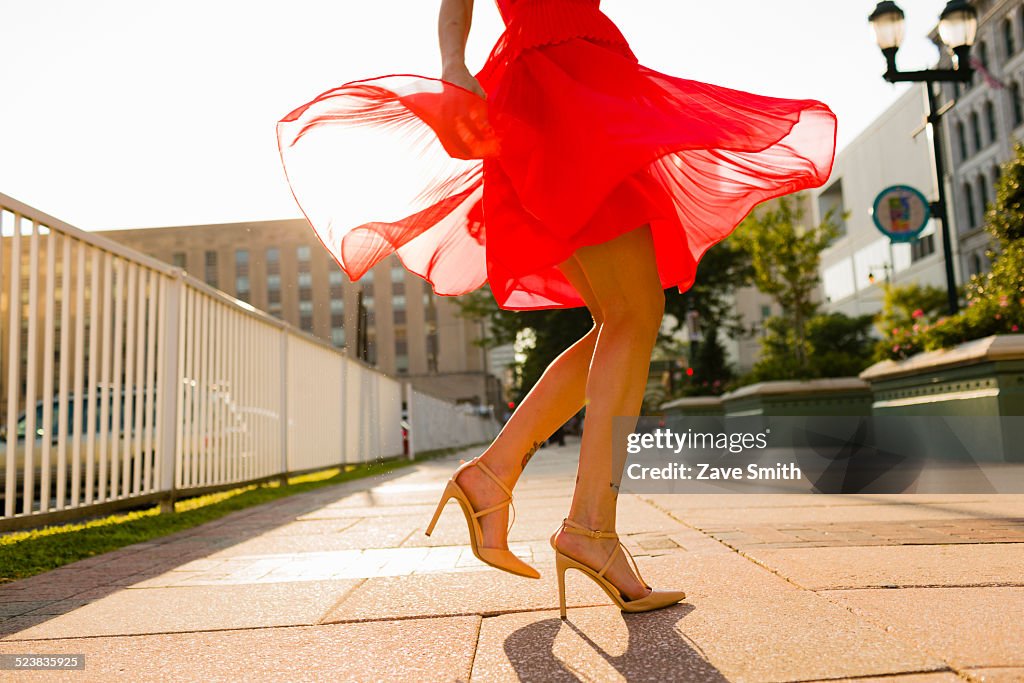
x,y
284,406
410,432
344,411
171,386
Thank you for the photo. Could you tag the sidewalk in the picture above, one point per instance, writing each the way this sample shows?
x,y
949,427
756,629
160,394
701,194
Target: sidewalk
x,y
341,584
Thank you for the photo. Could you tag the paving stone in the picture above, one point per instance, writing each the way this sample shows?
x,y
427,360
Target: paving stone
x,y
782,636
411,650
886,566
201,608
968,627
478,592
930,677
1000,675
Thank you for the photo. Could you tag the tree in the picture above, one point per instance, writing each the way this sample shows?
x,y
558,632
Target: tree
x,y
784,258
552,332
995,300
722,270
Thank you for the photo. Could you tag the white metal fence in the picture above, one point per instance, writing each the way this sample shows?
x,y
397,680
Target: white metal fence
x,y
147,382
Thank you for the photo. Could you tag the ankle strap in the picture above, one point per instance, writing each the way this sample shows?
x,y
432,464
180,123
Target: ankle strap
x,y
574,528
487,470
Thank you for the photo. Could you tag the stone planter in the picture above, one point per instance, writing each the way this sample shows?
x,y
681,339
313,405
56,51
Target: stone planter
x,y
832,396
694,406
979,377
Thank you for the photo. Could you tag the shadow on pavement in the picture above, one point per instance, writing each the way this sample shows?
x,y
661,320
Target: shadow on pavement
x,y
655,650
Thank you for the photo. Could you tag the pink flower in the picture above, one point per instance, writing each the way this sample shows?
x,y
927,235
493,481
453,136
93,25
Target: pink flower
x,y
918,313
896,349
915,327
999,316
1014,328
895,330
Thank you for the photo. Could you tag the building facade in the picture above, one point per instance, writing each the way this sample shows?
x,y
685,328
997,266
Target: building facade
x,y
894,150
984,119
280,267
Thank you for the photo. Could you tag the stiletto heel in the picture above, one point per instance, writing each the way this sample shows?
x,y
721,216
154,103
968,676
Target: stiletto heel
x,y
652,601
445,497
560,568
498,558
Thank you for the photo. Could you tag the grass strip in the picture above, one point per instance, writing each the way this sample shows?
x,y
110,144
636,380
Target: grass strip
x,y
27,553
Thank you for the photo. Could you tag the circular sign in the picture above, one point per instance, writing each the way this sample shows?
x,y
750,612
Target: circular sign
x,y
901,213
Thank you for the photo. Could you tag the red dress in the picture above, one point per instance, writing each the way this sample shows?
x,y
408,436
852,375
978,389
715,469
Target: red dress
x,y
583,144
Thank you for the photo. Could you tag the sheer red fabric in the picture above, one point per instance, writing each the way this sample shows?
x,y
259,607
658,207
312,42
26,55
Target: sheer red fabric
x,y
576,144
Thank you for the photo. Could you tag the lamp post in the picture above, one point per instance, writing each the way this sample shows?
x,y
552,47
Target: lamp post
x,y
958,25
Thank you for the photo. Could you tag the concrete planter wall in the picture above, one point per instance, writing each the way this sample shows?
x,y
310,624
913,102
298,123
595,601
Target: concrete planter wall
x,y
979,377
694,406
832,396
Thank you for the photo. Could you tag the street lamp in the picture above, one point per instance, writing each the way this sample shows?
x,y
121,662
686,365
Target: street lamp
x,y
958,25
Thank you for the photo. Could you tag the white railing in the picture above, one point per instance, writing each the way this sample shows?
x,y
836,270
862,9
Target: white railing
x,y
197,383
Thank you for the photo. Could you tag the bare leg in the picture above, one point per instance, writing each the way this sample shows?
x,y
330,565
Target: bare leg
x,y
623,277
557,396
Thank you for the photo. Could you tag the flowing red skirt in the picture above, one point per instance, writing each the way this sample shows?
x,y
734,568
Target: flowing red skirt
x,y
576,144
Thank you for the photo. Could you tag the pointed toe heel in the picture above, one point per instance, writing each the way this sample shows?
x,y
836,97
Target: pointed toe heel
x,y
652,601
499,558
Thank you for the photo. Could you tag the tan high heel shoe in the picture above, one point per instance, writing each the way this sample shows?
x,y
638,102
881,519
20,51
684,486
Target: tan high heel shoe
x,y
498,558
653,600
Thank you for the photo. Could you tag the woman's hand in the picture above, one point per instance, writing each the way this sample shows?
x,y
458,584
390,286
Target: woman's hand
x,y
459,75
453,24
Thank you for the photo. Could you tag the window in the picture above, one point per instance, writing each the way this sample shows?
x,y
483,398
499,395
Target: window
x,y
976,131
211,268
983,58
1017,104
335,277
338,336
982,197
178,259
241,257
306,307
242,285
398,301
975,264
1009,40
367,278
337,305
305,279
397,274
832,200
274,282
961,139
969,203
922,247
990,118
302,253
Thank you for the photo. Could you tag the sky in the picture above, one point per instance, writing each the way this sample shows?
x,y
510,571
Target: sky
x,y
127,114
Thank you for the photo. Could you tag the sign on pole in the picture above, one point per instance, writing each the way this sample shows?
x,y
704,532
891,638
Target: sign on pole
x,y
901,213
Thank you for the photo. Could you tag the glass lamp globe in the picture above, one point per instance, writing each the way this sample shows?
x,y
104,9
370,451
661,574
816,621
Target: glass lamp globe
x,y
887,21
958,24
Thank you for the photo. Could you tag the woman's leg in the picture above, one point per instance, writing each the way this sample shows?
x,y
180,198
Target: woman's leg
x,y
557,396
623,277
